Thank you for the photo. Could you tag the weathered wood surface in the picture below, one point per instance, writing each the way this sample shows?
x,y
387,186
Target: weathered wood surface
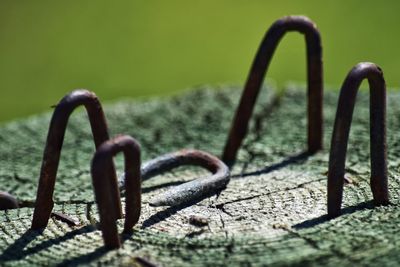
x,y
272,212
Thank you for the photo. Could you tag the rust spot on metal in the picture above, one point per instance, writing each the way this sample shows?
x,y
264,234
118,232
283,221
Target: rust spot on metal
x,y
340,136
104,184
55,138
8,201
258,70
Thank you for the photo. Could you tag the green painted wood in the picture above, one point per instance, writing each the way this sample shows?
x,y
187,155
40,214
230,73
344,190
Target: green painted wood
x,y
272,212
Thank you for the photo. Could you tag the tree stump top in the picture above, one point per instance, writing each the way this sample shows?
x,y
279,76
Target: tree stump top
x,y
271,213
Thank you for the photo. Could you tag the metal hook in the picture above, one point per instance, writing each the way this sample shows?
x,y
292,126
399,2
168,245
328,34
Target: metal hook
x,y
102,166
8,201
340,136
192,190
51,156
256,76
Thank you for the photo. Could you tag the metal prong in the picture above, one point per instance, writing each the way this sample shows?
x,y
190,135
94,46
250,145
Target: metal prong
x,y
340,136
256,76
55,138
104,184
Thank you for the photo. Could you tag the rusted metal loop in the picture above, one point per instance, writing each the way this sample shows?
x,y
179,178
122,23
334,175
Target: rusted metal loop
x,y
340,136
51,156
8,201
103,185
256,76
189,191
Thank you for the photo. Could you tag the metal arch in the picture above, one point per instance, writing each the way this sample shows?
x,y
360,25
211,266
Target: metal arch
x,y
192,190
103,184
255,78
340,136
51,156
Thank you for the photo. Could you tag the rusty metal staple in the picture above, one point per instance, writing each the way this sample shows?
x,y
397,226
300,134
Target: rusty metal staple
x,y
102,165
51,156
341,130
255,78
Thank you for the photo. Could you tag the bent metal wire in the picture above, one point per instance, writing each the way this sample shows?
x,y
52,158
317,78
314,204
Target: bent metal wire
x,y
51,156
189,191
102,165
341,130
258,70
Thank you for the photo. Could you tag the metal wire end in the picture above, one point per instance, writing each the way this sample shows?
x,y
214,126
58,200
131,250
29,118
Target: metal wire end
x,y
189,191
340,136
8,201
104,184
51,156
255,78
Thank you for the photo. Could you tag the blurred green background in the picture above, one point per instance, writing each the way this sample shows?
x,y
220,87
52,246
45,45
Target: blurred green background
x,y
141,48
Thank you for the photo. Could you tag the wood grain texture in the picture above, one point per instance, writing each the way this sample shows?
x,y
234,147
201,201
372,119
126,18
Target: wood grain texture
x,y
272,212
